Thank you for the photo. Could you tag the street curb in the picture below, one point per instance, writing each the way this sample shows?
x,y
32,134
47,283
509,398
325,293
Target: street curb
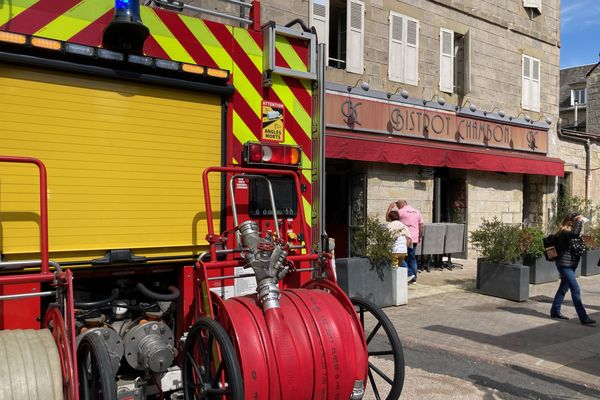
x,y
411,342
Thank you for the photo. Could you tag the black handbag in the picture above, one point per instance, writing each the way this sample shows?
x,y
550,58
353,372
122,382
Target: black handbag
x,y
577,246
550,247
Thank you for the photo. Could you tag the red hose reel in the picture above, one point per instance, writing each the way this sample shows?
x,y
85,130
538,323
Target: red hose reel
x,y
310,348
295,343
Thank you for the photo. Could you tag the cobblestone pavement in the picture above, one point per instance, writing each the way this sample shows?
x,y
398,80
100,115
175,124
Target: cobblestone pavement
x,y
446,313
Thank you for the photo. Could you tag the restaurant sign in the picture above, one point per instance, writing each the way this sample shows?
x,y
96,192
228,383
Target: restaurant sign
x,y
391,118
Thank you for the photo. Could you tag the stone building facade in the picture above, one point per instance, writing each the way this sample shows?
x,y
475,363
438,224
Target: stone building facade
x,y
593,102
490,67
580,136
500,34
573,97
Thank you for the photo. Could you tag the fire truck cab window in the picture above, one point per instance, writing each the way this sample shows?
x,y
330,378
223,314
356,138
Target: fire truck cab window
x,y
286,201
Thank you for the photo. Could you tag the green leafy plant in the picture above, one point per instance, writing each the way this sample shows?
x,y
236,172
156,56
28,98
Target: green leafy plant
x,y
532,245
573,204
374,240
593,232
498,242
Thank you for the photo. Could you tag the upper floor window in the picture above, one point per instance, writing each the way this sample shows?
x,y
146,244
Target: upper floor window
x,y
403,63
531,84
578,96
341,25
455,62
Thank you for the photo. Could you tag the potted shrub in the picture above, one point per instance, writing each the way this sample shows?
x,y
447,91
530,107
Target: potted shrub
x,y
532,247
370,275
589,261
498,273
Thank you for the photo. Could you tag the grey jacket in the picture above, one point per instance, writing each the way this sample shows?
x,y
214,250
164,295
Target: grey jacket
x,y
565,258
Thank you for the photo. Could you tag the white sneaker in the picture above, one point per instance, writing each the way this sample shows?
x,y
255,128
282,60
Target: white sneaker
x,y
410,278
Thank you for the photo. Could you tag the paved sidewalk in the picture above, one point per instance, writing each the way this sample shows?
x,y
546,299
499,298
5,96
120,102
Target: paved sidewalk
x,y
444,311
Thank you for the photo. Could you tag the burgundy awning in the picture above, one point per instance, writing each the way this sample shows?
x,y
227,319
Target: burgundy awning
x,y
398,150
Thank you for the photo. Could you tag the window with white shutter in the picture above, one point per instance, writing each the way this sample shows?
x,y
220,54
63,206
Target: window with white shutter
x,y
337,32
578,96
531,84
403,63
446,60
319,18
355,36
412,52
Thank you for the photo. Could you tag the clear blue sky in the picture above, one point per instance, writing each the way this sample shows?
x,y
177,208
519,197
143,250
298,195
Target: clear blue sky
x,y
579,32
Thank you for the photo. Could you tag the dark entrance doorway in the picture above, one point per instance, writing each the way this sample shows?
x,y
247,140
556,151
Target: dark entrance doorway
x,y
345,205
450,196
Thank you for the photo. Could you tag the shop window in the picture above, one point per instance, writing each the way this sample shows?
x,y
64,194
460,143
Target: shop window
x,y
531,84
403,49
455,62
564,193
358,212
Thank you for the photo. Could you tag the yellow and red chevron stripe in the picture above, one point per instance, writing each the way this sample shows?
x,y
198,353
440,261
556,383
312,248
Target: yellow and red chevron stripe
x,y
188,39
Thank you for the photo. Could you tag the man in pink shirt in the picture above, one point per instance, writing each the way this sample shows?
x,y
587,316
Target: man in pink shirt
x,y
411,217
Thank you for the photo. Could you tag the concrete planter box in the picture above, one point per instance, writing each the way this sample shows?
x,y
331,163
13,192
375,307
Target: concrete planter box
x,y
541,270
589,263
508,281
357,279
400,286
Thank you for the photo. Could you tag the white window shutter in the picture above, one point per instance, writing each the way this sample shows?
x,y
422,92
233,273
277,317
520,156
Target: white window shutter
x,y
526,90
319,18
396,48
446,60
533,4
355,36
411,66
467,61
535,85
572,97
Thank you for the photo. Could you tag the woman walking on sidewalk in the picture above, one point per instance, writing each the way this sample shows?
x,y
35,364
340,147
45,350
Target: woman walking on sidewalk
x,y
566,263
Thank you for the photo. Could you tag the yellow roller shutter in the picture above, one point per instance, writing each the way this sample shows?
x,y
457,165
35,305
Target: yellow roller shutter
x,y
124,161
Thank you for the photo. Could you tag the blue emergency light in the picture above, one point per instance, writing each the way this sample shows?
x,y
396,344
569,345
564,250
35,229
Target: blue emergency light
x,y
128,9
119,4
126,33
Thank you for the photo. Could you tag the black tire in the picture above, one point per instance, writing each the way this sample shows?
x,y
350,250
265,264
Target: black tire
x,y
380,345
94,369
205,377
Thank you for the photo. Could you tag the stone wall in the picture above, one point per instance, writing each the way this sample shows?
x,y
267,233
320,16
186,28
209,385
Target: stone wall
x,y
387,183
593,102
536,188
491,194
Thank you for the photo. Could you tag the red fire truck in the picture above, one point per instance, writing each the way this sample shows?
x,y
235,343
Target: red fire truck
x,y
160,216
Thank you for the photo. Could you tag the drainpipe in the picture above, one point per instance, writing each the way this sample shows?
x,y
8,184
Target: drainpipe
x,y
588,169
584,139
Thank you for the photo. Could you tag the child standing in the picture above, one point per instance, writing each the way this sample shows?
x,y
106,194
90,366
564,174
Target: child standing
x,y
399,249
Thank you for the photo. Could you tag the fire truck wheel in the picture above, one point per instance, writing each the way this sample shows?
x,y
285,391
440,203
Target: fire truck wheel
x,y
94,369
29,365
386,358
210,365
